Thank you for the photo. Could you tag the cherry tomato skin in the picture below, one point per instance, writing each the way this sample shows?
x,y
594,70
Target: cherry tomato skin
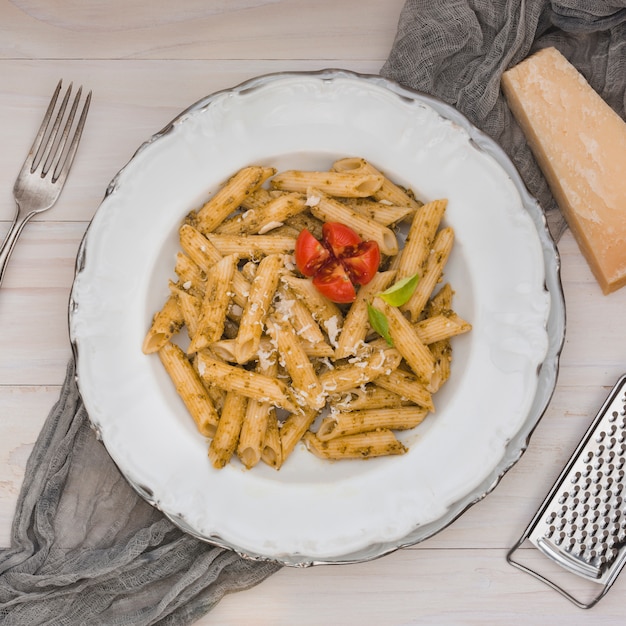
x,y
332,281
310,254
341,239
363,264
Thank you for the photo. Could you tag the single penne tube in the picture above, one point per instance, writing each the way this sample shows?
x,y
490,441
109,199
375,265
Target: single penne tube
x,y
340,424
305,384
230,196
190,388
328,209
406,385
254,427
380,212
442,353
420,238
244,382
165,324
256,308
361,370
388,191
252,246
355,326
417,356
224,442
295,425
271,451
266,217
343,184
198,248
439,327
361,446
256,199
433,269
189,305
441,302
190,277
217,297
370,396
327,314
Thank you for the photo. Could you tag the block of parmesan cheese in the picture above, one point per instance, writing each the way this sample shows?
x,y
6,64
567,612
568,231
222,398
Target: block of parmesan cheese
x,y
580,145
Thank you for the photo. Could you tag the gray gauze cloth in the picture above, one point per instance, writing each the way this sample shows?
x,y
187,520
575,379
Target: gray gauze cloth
x,y
85,548
457,50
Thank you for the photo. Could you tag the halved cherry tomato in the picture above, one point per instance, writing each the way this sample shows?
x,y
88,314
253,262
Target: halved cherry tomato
x,y
363,263
310,253
337,263
339,238
333,281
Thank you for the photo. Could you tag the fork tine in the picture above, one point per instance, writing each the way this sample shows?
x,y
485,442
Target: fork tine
x,y
60,147
42,129
51,142
65,163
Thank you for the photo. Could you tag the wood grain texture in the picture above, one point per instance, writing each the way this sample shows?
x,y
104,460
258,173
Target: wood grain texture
x,y
146,62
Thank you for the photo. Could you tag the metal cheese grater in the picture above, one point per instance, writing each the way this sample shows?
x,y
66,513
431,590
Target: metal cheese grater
x,y
581,525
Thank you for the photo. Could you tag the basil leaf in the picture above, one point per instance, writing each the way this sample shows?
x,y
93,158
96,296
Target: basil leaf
x,y
400,293
379,323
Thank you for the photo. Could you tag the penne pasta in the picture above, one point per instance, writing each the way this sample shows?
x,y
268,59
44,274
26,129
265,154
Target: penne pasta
x,y
256,419
420,238
328,209
190,388
305,384
272,452
244,382
226,436
343,184
267,353
327,314
417,356
360,371
212,315
294,428
340,424
165,324
257,307
388,191
370,396
406,385
264,217
440,327
230,196
361,446
355,326
252,246
381,212
433,269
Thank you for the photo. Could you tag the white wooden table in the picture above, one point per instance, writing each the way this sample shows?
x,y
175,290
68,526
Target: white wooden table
x,y
147,60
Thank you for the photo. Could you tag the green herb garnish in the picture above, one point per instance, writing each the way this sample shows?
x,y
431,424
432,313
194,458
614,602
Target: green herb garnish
x,y
400,293
379,323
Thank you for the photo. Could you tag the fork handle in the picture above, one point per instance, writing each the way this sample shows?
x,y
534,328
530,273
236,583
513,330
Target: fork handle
x,y
19,221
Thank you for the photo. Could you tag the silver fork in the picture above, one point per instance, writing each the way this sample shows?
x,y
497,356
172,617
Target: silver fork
x,y
46,167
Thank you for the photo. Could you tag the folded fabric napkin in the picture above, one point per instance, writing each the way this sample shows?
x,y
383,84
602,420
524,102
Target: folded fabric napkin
x,y
457,50
86,549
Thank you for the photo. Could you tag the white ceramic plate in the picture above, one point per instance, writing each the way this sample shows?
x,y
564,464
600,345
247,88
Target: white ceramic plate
x,y
504,269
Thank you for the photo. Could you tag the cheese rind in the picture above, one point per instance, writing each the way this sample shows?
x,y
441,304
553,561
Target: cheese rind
x,y
580,145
